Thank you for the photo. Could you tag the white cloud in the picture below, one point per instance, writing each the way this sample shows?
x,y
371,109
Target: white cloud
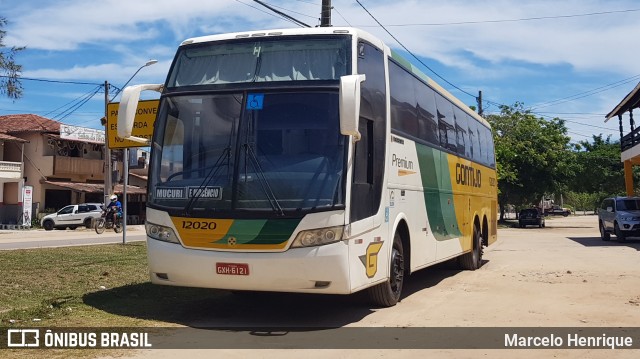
x,y
485,56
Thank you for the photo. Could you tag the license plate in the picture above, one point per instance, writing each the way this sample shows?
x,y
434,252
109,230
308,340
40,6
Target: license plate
x,y
232,268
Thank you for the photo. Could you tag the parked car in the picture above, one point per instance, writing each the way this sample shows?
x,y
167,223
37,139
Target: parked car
x,y
557,211
620,216
73,216
530,217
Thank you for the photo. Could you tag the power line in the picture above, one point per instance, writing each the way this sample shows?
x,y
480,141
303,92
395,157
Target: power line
x,y
290,18
56,81
266,12
575,113
295,12
587,93
84,99
343,18
411,53
513,20
307,2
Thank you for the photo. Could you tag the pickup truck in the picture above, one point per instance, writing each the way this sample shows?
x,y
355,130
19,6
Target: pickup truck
x,y
619,216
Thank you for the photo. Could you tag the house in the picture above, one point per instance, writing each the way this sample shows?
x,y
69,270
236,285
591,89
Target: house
x,y
62,169
629,142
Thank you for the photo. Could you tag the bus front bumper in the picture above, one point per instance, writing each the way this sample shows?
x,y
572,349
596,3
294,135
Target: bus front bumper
x,y
322,269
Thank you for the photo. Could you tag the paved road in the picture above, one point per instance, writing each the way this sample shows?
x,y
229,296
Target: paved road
x,y
39,238
560,276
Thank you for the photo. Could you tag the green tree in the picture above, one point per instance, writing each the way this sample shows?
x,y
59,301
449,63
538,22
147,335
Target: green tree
x,y
9,70
583,201
599,168
533,156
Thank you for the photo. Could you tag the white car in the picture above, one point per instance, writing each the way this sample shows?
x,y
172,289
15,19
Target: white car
x,y
620,216
73,216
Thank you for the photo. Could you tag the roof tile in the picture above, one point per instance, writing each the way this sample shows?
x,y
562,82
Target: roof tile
x,y
12,124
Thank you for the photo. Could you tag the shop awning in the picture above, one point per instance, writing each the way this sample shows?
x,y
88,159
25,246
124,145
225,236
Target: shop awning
x,y
95,187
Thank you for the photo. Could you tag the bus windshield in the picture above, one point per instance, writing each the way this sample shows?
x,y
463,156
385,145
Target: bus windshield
x,y
261,60
215,153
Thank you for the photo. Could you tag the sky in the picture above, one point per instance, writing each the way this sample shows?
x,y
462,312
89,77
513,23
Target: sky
x,y
573,59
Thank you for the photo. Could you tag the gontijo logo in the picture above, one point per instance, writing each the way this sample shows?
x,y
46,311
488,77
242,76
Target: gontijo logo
x,y
468,176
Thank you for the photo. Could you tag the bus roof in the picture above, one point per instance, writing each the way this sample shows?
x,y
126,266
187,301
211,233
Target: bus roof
x,y
334,31
284,32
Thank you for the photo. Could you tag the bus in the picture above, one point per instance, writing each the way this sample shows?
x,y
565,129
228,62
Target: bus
x,y
310,160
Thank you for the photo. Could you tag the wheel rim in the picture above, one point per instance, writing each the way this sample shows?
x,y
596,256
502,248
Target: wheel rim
x,y
397,271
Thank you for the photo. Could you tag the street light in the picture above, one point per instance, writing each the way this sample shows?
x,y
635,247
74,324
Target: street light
x,y
108,185
149,63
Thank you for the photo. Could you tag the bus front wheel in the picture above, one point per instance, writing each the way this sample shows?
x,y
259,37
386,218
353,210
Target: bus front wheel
x,y
387,294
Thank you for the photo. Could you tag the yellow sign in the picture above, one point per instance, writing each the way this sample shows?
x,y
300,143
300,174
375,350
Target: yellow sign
x,y
142,126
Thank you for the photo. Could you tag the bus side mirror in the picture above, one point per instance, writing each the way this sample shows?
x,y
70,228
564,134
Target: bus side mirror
x,y
350,105
128,108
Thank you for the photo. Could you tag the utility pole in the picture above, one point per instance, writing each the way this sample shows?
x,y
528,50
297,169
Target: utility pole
x,y
480,102
325,14
107,152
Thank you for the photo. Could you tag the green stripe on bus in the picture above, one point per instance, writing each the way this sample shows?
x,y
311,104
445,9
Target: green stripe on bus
x,y
260,231
244,231
276,231
438,196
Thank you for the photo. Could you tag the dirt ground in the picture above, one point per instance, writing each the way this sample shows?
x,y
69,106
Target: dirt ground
x,y
560,276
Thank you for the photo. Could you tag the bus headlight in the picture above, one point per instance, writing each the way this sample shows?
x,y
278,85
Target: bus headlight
x,y
318,237
161,233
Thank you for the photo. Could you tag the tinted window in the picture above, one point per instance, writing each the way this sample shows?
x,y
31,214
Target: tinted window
x,y
403,100
66,210
461,130
83,209
427,113
446,124
486,145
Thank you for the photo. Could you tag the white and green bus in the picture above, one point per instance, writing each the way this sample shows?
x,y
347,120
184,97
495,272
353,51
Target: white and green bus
x,y
310,160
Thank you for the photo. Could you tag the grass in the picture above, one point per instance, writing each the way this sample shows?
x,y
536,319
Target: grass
x,y
88,286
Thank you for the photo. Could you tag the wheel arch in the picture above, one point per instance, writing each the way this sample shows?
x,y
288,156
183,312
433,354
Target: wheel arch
x,y
402,227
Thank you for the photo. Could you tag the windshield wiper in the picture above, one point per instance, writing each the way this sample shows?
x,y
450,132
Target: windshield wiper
x,y
212,173
264,183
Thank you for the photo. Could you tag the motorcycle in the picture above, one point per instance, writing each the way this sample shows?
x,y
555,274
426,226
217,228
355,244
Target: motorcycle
x,y
106,221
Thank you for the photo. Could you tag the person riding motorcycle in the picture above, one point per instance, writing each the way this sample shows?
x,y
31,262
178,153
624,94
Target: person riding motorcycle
x,y
117,207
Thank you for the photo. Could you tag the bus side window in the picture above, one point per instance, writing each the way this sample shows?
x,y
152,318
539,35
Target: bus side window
x,y
446,124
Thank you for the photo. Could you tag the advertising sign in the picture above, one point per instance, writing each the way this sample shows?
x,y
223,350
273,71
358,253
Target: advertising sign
x,y
142,126
27,204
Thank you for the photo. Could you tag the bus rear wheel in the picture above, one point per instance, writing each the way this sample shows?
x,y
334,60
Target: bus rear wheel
x,y
473,259
387,294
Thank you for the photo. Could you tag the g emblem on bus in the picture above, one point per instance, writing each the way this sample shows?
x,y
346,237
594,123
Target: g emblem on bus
x,y
370,259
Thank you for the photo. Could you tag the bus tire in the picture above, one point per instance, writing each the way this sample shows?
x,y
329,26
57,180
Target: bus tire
x,y
387,294
473,260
